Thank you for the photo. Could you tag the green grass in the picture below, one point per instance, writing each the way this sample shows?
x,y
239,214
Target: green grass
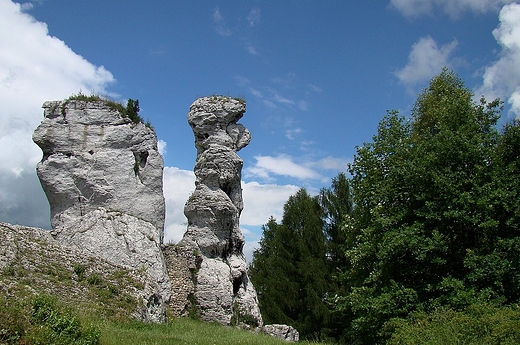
x,y
180,331
49,298
44,319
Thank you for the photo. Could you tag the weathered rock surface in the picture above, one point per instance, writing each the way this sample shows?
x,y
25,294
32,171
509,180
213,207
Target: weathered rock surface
x,y
181,266
222,290
32,260
282,332
102,175
93,157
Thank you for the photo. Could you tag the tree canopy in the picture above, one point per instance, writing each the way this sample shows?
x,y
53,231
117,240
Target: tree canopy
x,y
428,222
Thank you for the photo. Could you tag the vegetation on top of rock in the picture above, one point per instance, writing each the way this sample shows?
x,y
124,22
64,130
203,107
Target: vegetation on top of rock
x,y
131,110
216,98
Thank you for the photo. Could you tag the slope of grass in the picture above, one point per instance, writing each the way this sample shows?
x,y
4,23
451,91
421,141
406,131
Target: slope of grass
x,y
43,319
53,295
180,331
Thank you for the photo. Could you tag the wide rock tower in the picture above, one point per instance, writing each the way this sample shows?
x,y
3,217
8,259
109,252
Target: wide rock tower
x,y
222,290
102,174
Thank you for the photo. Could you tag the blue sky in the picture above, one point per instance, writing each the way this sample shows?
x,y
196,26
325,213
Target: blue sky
x,y
317,77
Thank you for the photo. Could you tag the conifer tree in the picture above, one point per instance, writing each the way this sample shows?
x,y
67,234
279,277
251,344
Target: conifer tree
x,y
289,270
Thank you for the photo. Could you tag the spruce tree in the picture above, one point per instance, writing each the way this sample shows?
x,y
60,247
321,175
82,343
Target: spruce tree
x,y
289,270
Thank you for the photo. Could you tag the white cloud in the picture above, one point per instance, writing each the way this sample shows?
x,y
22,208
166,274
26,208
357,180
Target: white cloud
x,y
26,6
34,67
220,23
261,201
161,147
292,133
281,165
425,60
315,88
256,92
177,187
502,78
453,8
269,104
331,163
251,50
253,17
252,242
280,99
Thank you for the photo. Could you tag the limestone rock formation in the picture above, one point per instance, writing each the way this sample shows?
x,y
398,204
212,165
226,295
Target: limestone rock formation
x,y
33,255
102,175
282,332
92,157
222,290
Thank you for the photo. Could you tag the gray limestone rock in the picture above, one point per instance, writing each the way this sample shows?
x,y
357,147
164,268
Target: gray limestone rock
x,y
92,157
222,290
102,175
37,254
282,332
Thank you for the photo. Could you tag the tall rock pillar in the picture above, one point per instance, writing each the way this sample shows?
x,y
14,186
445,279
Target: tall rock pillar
x,y
222,290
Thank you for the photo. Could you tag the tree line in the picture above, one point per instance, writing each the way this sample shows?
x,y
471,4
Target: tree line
x,y
424,229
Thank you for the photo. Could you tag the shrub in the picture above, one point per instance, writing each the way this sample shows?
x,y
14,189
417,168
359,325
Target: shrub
x,y
478,324
54,325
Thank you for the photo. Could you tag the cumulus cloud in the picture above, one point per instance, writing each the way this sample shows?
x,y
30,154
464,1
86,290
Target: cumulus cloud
x,y
425,60
453,8
502,77
282,165
177,186
161,147
261,201
34,67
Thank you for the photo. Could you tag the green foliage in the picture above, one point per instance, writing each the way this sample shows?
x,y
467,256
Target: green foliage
x,y
95,279
131,110
436,217
336,204
14,321
80,271
43,321
80,96
478,324
292,255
